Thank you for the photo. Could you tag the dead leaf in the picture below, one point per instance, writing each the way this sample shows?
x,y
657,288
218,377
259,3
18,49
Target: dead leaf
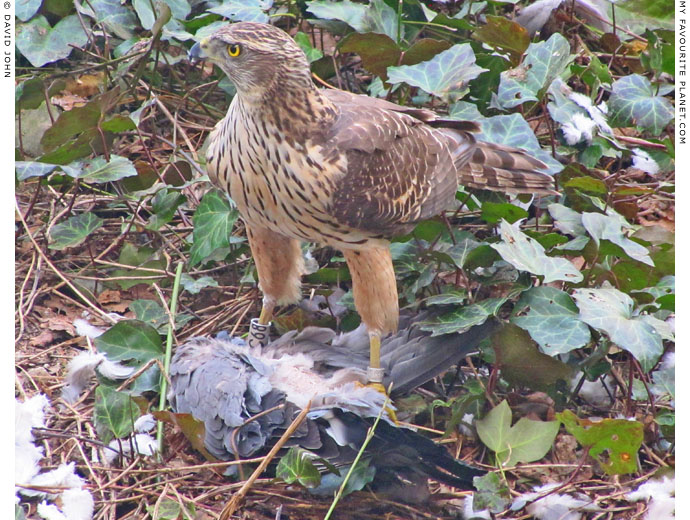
x,y
45,338
109,296
67,100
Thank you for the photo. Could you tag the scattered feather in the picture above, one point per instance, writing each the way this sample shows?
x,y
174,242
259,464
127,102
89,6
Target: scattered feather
x,y
554,506
643,161
27,415
661,495
145,423
578,129
595,392
142,443
84,328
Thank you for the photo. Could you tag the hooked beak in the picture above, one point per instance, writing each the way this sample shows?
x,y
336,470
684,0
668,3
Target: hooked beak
x,y
196,53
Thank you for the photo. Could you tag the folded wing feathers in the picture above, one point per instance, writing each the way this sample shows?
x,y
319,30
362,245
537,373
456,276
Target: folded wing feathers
x,y
225,384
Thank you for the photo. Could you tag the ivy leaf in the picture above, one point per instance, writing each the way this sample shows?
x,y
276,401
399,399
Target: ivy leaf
x,y
567,220
213,222
491,493
527,441
446,75
28,169
25,9
165,203
304,42
634,102
492,212
40,43
194,286
141,260
526,254
610,227
543,63
296,466
117,17
613,442
71,123
130,340
244,10
99,171
74,230
464,318
114,413
521,362
551,318
504,35
376,17
611,311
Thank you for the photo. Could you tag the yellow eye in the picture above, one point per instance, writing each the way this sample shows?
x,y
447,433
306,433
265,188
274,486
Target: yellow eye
x,y
233,50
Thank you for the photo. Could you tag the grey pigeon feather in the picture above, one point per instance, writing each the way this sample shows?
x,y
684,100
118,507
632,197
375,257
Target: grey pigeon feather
x,y
227,385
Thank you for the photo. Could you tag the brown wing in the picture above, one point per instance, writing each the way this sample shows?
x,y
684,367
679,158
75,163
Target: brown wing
x,y
399,169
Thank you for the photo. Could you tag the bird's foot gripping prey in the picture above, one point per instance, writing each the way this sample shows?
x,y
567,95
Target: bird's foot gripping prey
x,y
331,167
247,397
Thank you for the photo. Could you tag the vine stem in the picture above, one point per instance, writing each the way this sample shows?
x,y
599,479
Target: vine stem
x,y
168,354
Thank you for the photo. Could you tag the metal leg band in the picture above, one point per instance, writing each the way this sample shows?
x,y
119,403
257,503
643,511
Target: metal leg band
x,y
375,375
258,333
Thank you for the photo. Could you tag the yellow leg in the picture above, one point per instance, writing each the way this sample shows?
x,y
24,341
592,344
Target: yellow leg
x,y
266,313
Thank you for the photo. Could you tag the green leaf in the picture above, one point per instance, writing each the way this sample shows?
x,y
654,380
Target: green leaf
x,y
116,16
634,102
168,509
527,254
589,184
194,286
165,203
244,10
213,222
28,169
551,318
460,252
118,123
613,442
74,230
70,123
376,17
445,76
296,466
504,35
567,220
40,43
527,441
464,318
130,339
492,494
150,312
25,9
611,311
543,63
99,171
493,212
449,298
304,42
610,227
378,51
114,413
140,259
521,362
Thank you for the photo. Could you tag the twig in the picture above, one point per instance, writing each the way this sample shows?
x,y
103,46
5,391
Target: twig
x,y
88,302
234,503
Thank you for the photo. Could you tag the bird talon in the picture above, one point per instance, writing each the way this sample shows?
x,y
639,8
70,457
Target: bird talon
x,y
390,411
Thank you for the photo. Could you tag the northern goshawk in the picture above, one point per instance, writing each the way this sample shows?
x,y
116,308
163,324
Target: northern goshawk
x,y
331,167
